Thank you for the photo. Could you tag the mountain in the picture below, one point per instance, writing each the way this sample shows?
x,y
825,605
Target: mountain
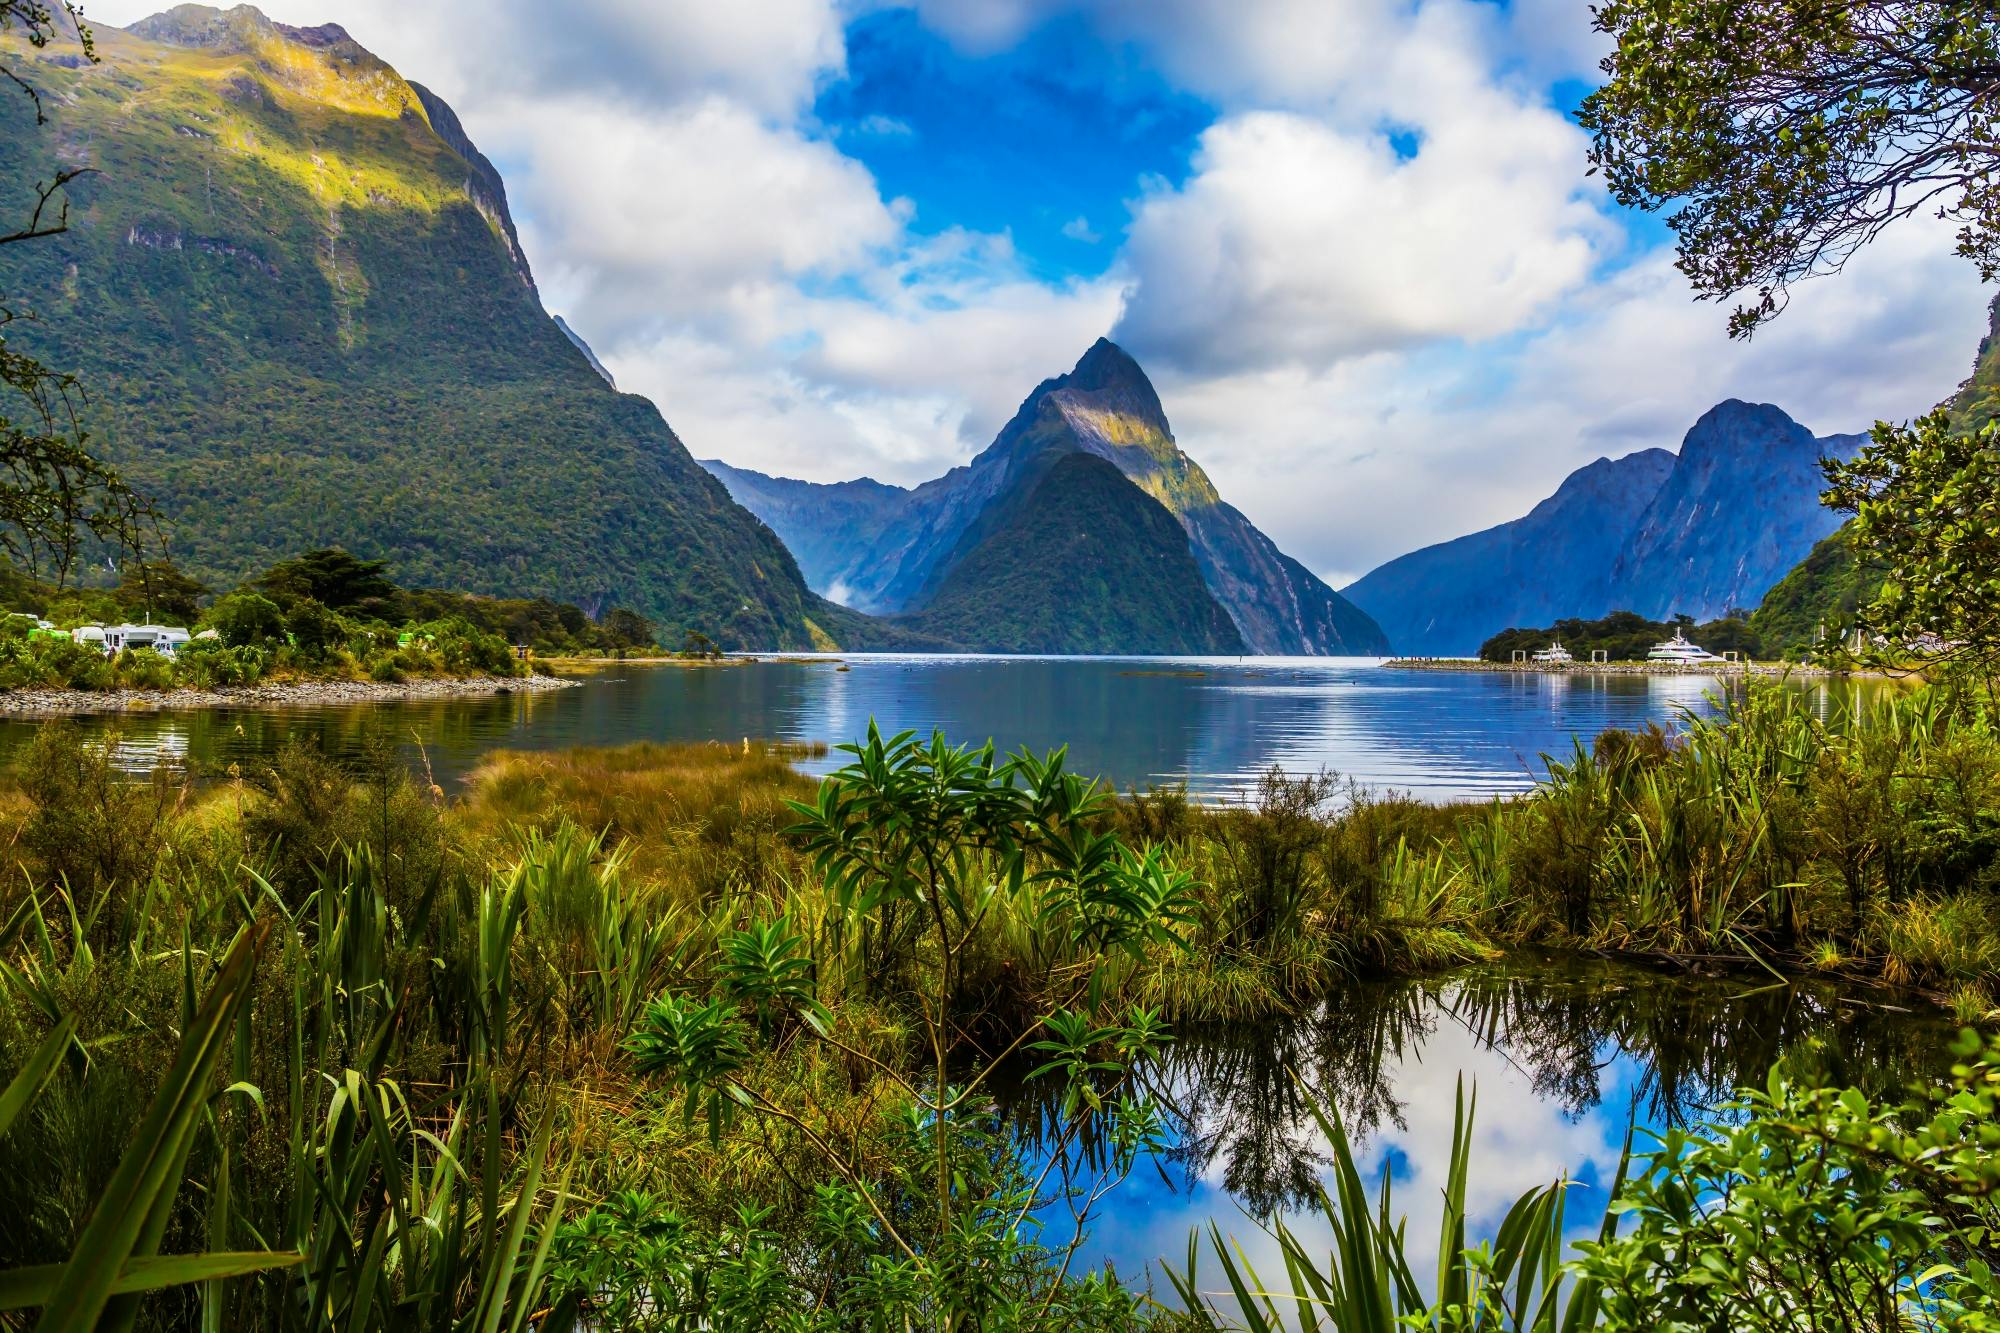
x,y
822,526
1445,599
1739,509
1700,533
1079,560
293,290
1831,584
891,551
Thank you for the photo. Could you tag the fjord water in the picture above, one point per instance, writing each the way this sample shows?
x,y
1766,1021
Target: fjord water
x,y
1214,723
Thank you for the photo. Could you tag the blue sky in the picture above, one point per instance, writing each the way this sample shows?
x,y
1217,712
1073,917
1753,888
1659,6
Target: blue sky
x,y
1352,241
1045,141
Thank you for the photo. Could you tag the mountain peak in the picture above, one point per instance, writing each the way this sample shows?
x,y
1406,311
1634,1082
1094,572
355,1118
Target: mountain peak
x,y
236,29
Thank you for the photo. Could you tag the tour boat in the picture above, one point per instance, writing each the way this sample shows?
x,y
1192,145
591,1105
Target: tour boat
x,y
1679,649
1554,653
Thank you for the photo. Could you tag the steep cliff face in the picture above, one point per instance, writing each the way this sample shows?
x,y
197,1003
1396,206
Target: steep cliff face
x,y
891,553
1704,532
293,290
1446,599
1740,508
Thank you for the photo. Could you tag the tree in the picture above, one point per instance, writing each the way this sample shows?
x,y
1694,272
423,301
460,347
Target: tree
x,y
55,494
331,577
1926,503
158,587
244,618
627,629
1792,132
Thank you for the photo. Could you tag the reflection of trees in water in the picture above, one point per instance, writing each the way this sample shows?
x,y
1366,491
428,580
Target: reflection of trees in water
x,y
1238,1097
1693,1042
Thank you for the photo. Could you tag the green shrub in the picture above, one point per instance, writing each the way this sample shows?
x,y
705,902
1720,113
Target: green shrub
x,y
206,663
245,618
144,669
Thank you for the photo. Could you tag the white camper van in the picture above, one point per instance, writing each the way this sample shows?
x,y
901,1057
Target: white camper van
x,y
165,640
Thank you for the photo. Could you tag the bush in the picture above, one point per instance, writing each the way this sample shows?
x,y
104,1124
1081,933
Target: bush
x,y
314,630
144,669
91,828
207,663
245,618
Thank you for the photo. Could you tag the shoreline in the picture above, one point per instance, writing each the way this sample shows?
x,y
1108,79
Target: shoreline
x,y
275,694
1773,670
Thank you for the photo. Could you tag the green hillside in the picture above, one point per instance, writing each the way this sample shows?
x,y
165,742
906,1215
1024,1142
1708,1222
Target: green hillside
x,y
1082,561
1828,586
292,290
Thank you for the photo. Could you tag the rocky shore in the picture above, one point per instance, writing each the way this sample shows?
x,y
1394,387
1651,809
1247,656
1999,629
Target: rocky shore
x,y
274,694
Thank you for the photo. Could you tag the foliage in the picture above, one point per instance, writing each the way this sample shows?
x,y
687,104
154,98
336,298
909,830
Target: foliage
x,y
1789,135
1816,1208
610,1041
58,495
1926,501
1624,636
331,577
919,845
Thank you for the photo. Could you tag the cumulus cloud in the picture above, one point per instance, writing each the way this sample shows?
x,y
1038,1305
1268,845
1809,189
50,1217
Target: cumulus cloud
x,y
1418,446
1296,242
673,214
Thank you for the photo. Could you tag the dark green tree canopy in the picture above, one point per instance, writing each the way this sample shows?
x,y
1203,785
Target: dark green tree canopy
x,y
1787,134
333,578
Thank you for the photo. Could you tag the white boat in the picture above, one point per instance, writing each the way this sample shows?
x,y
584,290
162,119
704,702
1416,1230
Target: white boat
x,y
1554,654
1680,649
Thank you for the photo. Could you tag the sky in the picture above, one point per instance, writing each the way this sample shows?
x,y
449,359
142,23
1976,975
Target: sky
x,y
1353,242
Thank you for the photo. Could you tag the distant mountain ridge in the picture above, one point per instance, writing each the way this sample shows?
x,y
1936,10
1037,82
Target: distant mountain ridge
x,y
889,551
1447,599
1078,560
1702,532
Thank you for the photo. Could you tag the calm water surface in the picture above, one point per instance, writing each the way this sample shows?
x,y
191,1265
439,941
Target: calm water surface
x,y
1212,723
1561,1056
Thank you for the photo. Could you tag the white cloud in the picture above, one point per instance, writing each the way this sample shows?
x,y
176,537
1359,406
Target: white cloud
x,y
676,215
1294,242
1413,447
1079,229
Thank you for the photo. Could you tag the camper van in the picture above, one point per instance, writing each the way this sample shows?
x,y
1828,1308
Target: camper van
x,y
165,640
90,636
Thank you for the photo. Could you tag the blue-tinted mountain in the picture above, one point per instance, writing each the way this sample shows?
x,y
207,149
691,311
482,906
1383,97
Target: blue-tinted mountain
x,y
1445,600
1703,532
892,553
1740,508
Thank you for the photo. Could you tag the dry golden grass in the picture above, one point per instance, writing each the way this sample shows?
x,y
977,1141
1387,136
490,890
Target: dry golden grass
x,y
710,813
